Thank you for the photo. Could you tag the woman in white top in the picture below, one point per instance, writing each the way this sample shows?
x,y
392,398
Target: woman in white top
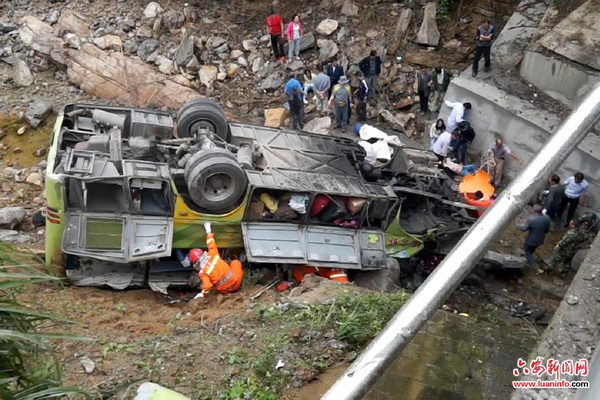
x,y
436,130
309,78
294,34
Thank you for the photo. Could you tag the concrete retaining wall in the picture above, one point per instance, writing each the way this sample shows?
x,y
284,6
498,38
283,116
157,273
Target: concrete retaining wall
x,y
561,80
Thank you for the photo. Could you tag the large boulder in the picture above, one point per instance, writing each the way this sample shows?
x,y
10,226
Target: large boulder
x,y
350,9
318,125
152,10
327,50
391,119
11,217
272,82
307,41
249,44
327,27
399,36
428,33
185,52
38,111
147,47
275,117
208,74
21,74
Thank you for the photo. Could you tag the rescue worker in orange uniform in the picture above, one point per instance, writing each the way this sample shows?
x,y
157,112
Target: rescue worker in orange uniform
x,y
334,274
214,271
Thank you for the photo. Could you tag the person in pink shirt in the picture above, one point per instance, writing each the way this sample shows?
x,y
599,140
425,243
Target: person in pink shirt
x,y
294,33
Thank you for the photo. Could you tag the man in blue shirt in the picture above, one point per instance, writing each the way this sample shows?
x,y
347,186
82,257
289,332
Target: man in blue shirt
x,y
292,84
537,227
335,72
576,188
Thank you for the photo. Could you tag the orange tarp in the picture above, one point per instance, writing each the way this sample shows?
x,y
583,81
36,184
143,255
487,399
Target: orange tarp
x,y
480,181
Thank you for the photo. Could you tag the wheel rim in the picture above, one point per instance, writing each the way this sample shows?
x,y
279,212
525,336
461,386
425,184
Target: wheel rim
x,y
202,124
218,187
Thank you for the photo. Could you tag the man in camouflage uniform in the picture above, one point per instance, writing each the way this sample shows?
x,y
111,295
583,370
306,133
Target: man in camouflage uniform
x,y
566,248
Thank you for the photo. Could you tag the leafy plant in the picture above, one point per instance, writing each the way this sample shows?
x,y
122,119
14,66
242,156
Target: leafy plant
x,y
29,369
443,9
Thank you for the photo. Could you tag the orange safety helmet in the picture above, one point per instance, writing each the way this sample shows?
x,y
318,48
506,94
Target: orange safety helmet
x,y
195,255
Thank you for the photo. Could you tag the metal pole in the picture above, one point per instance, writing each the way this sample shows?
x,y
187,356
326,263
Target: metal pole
x,y
384,349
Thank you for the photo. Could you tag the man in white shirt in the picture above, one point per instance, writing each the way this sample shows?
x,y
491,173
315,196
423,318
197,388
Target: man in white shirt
x,y
440,147
457,115
576,188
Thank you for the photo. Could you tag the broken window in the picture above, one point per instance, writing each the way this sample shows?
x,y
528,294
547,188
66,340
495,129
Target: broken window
x,y
105,197
151,197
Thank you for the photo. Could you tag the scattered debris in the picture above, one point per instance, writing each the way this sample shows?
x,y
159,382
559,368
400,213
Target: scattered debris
x,y
38,111
88,365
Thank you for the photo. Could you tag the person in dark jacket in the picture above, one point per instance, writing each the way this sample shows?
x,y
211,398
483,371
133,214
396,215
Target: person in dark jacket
x,y
466,135
537,227
361,95
424,83
297,110
554,198
484,36
371,68
441,80
335,72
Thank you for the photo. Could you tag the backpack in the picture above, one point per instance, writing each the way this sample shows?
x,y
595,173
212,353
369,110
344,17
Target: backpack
x,y
341,95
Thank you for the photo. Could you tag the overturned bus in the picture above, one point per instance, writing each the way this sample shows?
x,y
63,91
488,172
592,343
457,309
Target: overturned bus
x,y
128,191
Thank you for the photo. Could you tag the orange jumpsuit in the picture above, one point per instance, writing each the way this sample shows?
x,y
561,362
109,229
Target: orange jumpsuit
x,y
334,274
217,273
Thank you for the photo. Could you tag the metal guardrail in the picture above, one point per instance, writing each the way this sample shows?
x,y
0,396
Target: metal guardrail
x,y
384,349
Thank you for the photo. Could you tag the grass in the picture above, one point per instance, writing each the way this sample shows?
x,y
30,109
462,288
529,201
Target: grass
x,y
29,369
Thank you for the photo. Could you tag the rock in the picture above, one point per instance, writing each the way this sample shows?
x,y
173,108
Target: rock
x,y
233,70
2,134
404,119
327,27
221,76
385,280
152,10
452,44
224,48
53,18
6,27
236,54
427,58
274,117
73,22
35,178
185,52
404,103
72,40
17,150
130,47
38,111
182,80
327,50
578,259
242,61
193,66
111,42
172,19
350,9
21,130
429,33
399,36
11,217
318,125
165,65
88,365
208,74
192,14
214,42
296,65
147,47
306,42
343,34
249,44
272,82
10,236
11,173
21,74
145,31
390,119
41,152
258,64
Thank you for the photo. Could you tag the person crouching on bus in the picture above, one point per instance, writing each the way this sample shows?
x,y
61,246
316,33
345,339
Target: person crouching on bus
x,y
214,271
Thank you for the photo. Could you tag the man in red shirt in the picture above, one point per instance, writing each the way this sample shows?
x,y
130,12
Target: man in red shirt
x,y
275,29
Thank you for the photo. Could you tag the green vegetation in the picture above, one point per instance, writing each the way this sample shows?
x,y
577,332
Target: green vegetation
x,y
28,367
443,9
